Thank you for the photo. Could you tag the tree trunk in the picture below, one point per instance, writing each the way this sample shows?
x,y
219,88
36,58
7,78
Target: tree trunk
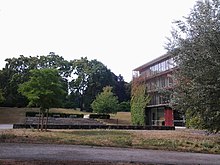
x,y
39,117
47,119
42,121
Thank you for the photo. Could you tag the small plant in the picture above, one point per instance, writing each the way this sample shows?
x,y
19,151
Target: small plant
x,y
5,136
123,141
208,145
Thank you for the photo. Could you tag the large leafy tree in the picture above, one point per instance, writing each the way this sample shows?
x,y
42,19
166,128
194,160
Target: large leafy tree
x,y
195,46
99,77
80,72
16,71
105,102
122,89
44,90
89,78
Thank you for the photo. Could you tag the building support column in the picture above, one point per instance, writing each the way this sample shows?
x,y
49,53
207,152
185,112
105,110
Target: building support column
x,y
168,115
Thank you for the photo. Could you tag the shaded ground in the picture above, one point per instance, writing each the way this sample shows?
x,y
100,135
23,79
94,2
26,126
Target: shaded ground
x,y
103,155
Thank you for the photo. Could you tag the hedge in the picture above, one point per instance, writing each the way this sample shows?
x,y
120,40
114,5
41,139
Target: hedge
x,y
62,115
99,116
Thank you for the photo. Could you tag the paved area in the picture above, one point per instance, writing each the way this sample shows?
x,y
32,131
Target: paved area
x,y
88,153
6,126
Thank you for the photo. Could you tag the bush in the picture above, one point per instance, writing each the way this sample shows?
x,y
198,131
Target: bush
x,y
124,106
31,114
62,115
99,116
193,120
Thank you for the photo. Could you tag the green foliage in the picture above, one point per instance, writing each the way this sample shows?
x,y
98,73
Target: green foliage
x,y
44,90
139,101
1,96
99,116
194,120
105,102
124,106
90,78
17,71
82,79
195,48
52,114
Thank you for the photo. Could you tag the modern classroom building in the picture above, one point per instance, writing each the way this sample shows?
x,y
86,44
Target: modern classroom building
x,y
157,74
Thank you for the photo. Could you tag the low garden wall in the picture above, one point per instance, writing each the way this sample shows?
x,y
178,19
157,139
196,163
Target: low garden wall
x,y
123,127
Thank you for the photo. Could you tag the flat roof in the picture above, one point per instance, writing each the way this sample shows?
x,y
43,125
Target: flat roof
x,y
148,64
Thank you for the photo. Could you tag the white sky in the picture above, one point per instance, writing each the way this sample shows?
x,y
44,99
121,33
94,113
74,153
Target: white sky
x,y
122,34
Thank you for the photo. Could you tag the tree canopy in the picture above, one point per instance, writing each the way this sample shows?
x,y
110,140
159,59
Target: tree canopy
x,y
1,96
105,102
44,89
82,80
195,47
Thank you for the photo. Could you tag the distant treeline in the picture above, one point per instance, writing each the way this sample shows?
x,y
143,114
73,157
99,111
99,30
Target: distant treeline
x,y
82,79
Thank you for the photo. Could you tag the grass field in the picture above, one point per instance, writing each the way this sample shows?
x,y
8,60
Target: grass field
x,y
177,140
17,115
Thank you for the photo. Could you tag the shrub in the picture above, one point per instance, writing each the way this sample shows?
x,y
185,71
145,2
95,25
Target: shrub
x,y
63,115
99,116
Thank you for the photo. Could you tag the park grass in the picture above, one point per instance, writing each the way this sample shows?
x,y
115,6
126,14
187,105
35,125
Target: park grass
x,y
12,115
185,140
119,118
179,140
122,117
15,115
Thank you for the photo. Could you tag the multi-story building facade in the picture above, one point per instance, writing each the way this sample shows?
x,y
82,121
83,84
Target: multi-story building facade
x,y
157,74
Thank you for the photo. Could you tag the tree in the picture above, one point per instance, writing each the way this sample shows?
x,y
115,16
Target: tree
x,y
82,80
122,89
99,77
105,102
89,79
139,101
44,90
1,96
16,72
195,47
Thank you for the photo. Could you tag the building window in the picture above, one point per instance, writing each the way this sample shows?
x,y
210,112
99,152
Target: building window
x,y
157,116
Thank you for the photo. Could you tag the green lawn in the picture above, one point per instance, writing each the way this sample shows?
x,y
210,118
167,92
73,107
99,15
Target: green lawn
x,y
178,140
17,115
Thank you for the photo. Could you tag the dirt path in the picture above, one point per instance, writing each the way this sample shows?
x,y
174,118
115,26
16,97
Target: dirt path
x,y
51,152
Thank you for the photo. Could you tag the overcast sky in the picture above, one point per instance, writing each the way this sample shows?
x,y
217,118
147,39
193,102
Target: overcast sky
x,y
122,34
